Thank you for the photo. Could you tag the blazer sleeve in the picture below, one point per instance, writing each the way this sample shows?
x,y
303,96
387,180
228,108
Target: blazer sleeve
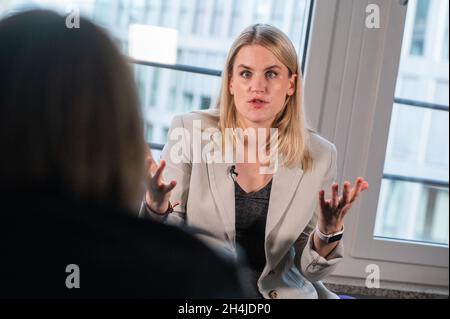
x,y
176,153
313,266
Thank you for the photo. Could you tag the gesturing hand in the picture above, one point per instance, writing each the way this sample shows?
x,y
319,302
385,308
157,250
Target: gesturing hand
x,y
333,211
158,192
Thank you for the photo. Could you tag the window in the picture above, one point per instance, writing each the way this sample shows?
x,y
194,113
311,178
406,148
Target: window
x,y
299,17
155,86
103,11
141,79
416,170
445,42
217,17
262,10
165,13
441,91
165,132
353,76
152,11
278,13
398,141
188,99
413,211
420,27
148,132
173,97
199,17
186,8
205,102
236,20
137,11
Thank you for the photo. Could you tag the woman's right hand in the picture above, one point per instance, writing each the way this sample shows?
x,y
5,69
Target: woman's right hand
x,y
158,193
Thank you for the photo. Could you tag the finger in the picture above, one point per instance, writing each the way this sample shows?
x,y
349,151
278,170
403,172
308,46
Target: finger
x,y
166,188
335,196
322,199
151,165
170,186
158,174
176,204
365,186
359,187
345,193
354,191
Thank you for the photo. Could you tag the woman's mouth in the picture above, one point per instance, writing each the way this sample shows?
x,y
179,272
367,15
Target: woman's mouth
x,y
258,103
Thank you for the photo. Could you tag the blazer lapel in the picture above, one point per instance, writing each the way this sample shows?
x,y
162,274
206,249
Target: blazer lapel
x,y
284,187
222,189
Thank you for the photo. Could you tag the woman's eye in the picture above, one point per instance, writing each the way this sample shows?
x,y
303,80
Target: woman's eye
x,y
271,74
246,74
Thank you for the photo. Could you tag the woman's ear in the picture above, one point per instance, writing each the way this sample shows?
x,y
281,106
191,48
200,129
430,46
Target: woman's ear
x,y
292,84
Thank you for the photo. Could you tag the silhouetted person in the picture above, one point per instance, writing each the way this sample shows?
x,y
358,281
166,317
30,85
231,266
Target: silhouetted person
x,y
71,176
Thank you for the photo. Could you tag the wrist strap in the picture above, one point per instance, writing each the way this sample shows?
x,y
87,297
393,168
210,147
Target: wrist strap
x,y
330,237
167,212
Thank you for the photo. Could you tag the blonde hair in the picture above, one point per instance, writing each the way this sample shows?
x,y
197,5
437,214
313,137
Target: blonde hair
x,y
293,136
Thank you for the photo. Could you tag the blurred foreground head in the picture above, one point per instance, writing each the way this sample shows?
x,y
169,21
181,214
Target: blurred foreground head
x,y
69,116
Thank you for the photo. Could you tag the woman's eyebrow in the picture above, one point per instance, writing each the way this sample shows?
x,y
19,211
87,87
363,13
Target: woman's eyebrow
x,y
244,66
275,66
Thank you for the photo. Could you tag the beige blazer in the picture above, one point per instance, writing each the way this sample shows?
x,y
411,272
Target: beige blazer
x,y
206,191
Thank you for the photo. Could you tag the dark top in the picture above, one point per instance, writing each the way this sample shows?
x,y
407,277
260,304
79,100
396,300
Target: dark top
x,y
251,215
119,255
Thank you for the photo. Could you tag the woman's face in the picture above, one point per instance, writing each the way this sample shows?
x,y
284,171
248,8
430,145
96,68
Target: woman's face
x,y
259,84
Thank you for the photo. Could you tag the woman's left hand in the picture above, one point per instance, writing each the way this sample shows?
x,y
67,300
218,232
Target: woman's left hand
x,y
333,211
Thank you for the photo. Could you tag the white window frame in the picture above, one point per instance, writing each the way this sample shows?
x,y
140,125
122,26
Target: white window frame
x,y
350,83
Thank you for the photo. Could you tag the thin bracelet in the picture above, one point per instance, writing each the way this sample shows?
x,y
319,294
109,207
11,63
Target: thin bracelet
x,y
168,211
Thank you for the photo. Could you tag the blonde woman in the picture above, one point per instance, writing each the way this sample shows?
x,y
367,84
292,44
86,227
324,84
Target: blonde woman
x,y
272,212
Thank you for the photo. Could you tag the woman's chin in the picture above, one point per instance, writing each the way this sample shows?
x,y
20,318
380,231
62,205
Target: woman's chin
x,y
259,122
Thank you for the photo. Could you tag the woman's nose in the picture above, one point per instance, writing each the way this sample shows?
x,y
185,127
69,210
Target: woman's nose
x,y
258,84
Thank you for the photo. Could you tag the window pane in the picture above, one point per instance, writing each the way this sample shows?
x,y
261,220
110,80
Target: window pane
x,y
418,144
445,40
185,92
423,72
412,211
417,153
217,17
420,26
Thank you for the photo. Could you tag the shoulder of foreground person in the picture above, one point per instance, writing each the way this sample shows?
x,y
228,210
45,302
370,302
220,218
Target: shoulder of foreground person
x,y
118,256
200,271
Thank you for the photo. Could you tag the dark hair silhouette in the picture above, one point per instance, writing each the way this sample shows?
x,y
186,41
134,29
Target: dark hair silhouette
x,y
69,114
